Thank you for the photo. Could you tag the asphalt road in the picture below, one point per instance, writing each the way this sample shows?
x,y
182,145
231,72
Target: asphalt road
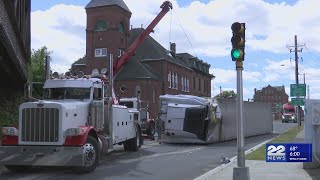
x,y
154,161
279,127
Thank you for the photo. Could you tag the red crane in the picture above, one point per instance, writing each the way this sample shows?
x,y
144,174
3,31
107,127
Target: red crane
x,y
166,6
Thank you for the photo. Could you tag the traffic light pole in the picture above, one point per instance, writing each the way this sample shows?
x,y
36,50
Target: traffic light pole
x,y
241,172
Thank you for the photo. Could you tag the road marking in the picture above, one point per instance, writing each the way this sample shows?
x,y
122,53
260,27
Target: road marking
x,y
208,174
160,154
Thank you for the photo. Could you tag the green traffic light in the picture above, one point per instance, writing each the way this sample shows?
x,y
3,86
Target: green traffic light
x,y
236,53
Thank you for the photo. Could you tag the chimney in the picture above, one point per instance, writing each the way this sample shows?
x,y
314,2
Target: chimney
x,y
173,47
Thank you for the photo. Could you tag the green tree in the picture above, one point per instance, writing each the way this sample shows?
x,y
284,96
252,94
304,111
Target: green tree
x,y
226,95
36,69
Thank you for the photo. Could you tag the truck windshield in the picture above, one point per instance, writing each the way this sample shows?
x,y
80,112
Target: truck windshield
x,y
288,110
67,93
128,104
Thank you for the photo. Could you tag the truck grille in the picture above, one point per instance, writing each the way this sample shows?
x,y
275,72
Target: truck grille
x,y
40,125
287,116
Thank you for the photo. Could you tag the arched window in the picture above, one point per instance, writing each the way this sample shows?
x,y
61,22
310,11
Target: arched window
x,y
101,25
95,71
121,27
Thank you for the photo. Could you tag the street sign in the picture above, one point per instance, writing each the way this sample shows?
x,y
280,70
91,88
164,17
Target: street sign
x,y
297,89
278,107
297,101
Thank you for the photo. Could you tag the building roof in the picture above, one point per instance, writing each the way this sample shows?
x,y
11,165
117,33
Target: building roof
x,y
150,50
278,89
98,3
81,61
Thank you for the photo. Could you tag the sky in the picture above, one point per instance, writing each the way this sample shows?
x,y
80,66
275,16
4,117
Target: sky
x,y
203,29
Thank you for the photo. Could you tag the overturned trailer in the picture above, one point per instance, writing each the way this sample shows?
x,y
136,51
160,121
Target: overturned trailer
x,y
188,119
192,119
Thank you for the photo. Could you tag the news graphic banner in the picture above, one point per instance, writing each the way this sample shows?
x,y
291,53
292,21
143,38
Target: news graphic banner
x,y
299,152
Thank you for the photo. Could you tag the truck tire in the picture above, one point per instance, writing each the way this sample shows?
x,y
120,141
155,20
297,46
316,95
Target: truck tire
x,y
134,144
91,156
18,168
126,145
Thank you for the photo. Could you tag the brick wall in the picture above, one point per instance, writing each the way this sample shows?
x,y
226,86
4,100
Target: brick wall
x,y
110,38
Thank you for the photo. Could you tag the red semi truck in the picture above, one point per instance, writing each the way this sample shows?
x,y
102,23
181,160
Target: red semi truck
x,y
288,113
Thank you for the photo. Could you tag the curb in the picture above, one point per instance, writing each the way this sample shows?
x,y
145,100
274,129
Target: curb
x,y
214,171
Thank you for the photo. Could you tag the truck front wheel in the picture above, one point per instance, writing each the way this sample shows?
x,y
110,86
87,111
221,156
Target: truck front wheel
x,y
134,144
90,156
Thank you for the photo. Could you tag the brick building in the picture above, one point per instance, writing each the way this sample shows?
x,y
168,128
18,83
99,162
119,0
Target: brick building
x,y
271,94
153,70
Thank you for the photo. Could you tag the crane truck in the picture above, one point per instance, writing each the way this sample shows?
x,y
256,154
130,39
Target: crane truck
x,y
76,122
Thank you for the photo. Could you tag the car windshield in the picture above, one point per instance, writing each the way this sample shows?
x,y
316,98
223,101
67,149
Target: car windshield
x,y
67,93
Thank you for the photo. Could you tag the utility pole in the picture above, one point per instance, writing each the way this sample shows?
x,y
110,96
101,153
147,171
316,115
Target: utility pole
x,y
220,91
308,91
296,46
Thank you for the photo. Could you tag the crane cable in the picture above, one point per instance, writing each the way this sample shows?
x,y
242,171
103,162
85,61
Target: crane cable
x,y
170,30
185,33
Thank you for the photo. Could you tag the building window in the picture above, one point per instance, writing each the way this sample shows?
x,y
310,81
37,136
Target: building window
x,y
187,84
95,71
194,83
123,88
199,84
182,83
153,96
121,27
120,52
172,80
169,79
100,52
176,81
100,25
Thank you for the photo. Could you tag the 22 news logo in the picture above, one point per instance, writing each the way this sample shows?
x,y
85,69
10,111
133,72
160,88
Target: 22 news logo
x,y
276,153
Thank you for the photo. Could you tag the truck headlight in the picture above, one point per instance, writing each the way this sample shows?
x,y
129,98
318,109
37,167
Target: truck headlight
x,y
292,117
282,116
10,131
74,132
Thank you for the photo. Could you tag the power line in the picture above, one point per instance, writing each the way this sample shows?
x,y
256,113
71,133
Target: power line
x,y
185,33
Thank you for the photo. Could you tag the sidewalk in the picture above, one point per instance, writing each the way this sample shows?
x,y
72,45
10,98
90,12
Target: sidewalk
x,y
261,170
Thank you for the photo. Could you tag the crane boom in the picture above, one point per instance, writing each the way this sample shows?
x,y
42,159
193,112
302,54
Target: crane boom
x,y
166,6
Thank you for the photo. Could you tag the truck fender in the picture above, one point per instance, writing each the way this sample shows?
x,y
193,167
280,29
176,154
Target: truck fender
x,y
81,139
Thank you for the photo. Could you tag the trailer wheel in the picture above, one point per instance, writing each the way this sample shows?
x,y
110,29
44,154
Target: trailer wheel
x,y
90,156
